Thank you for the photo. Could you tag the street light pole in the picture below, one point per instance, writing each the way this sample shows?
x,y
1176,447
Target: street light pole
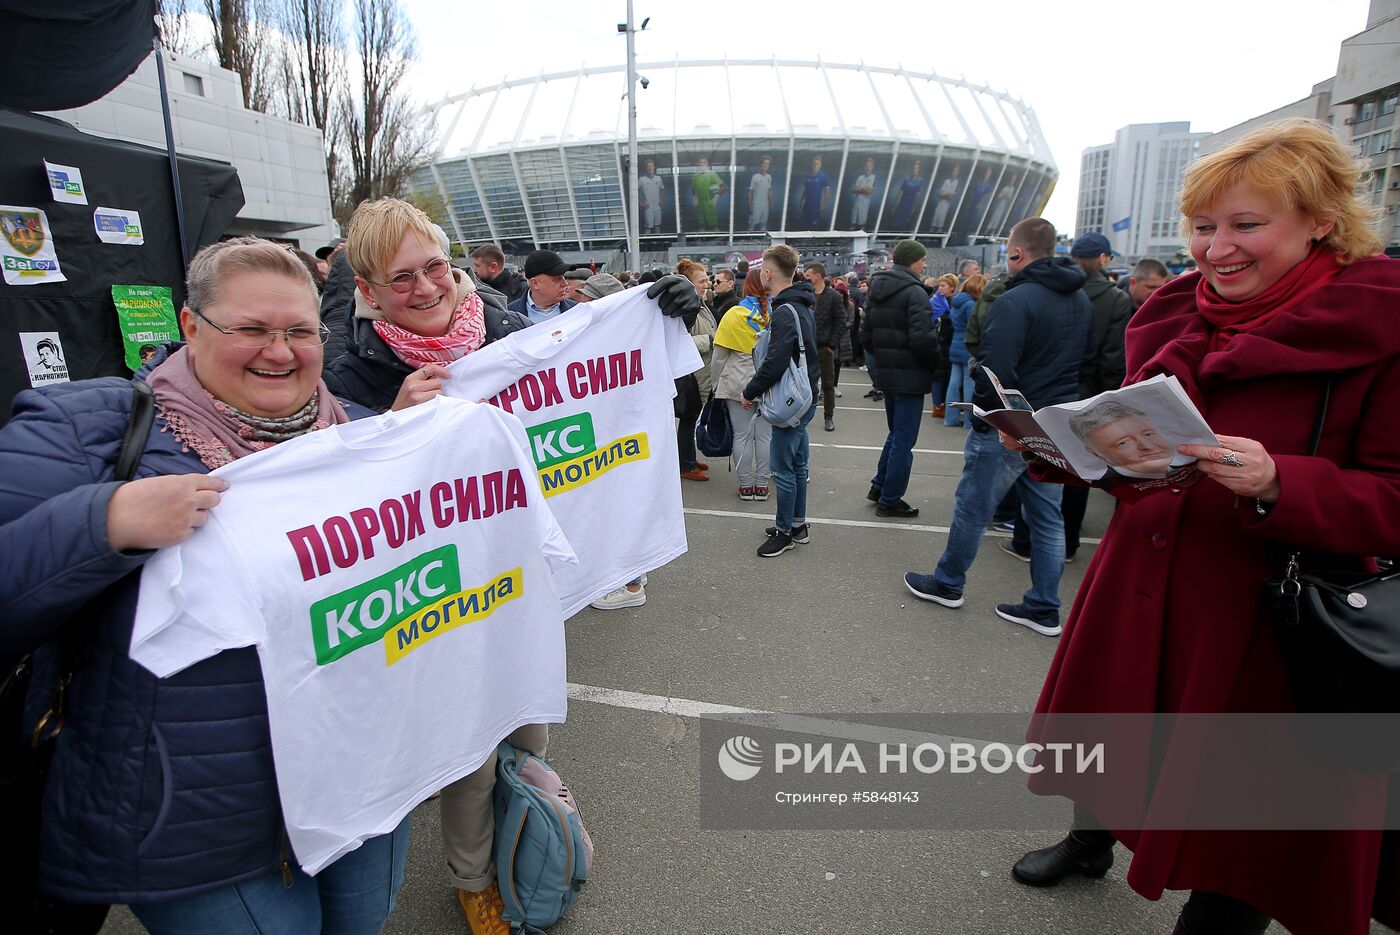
x,y
634,248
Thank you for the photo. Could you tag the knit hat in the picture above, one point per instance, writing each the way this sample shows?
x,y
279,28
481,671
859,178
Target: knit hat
x,y
909,252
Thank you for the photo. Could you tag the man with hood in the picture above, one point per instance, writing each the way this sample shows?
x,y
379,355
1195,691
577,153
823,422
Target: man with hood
x,y
1112,309
897,331
1038,339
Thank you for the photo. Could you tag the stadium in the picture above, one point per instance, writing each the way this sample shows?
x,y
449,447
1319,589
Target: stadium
x,y
834,158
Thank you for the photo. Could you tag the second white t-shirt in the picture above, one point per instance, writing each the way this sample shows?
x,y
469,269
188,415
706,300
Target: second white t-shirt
x,y
594,388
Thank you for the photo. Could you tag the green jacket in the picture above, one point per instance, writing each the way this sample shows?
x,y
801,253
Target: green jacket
x,y
990,293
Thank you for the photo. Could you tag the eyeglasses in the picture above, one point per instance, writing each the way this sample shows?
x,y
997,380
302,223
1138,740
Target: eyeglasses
x,y
255,337
404,282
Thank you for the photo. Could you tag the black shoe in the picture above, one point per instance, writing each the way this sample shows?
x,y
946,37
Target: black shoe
x,y
777,544
1046,622
829,425
871,394
873,495
801,533
877,396
1010,549
898,508
1086,852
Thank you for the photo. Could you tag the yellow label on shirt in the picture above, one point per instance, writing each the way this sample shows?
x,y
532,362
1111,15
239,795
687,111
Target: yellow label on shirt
x,y
574,473
451,612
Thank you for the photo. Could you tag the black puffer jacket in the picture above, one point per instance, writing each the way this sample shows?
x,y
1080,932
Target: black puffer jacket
x,y
1112,309
370,374
1038,336
898,328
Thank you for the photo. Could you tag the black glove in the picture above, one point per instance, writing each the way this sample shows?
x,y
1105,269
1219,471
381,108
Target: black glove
x,y
676,296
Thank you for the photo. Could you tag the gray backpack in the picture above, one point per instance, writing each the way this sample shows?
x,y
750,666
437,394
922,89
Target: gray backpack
x,y
785,403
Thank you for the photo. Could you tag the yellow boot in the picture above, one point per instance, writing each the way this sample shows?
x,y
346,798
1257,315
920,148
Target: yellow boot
x,y
483,911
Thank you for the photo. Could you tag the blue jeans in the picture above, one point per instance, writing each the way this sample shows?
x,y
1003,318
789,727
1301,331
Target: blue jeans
x,y
787,459
870,366
989,471
353,896
903,414
957,379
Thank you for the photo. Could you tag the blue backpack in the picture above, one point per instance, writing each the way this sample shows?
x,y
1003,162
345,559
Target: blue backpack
x,y
785,403
542,851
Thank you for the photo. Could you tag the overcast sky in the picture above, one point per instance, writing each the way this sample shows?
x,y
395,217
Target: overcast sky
x,y
1213,63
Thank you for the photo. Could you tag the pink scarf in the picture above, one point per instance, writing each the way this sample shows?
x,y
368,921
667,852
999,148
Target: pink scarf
x,y
1228,319
218,432
466,333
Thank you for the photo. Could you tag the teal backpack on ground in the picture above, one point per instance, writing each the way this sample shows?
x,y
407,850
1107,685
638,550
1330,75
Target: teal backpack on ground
x,y
542,851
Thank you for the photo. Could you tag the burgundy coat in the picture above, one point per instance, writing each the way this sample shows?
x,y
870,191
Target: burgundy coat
x,y
1168,616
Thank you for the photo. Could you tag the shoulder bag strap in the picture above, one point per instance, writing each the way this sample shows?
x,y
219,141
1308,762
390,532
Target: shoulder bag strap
x,y
138,429
1316,438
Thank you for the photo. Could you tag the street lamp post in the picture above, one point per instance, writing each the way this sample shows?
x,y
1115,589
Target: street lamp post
x,y
634,248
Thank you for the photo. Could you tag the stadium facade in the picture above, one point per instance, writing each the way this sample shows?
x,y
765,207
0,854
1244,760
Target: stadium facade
x,y
736,153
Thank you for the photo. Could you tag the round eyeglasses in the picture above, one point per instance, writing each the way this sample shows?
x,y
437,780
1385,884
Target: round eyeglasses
x,y
404,282
256,337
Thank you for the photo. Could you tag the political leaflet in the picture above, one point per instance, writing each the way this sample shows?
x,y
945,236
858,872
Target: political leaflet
x,y
1125,437
146,318
26,247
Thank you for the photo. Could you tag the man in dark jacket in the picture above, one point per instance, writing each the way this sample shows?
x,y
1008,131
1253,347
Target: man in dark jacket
x,y
726,293
897,331
1037,338
548,289
1112,309
789,449
830,316
489,264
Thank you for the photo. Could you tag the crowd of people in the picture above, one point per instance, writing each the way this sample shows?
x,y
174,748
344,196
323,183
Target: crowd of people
x,y
163,793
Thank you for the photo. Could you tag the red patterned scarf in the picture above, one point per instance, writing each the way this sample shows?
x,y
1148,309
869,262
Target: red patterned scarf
x,y
1228,319
466,333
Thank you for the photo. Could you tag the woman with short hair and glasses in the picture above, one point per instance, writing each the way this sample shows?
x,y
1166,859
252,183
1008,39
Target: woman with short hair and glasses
x,y
414,312
162,792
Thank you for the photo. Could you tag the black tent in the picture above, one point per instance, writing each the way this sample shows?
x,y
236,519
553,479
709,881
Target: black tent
x,y
116,175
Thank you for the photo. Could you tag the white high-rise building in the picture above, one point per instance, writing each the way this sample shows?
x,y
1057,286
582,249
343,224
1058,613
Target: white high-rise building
x,y
1128,189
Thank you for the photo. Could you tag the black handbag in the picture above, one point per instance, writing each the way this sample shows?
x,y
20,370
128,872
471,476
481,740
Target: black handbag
x,y
1339,632
24,763
714,435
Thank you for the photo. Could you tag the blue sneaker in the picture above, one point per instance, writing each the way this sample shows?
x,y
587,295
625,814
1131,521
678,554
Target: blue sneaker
x,y
925,588
1044,622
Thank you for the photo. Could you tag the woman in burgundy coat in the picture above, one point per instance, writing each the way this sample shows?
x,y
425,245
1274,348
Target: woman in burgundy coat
x,y
1289,293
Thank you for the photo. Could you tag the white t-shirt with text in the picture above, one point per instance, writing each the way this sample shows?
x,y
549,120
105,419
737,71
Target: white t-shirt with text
x,y
396,577
594,388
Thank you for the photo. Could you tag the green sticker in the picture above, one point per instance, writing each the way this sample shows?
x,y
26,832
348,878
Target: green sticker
x,y
146,319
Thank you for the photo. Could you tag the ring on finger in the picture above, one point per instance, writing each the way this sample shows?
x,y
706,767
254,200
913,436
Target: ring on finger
x,y
1231,459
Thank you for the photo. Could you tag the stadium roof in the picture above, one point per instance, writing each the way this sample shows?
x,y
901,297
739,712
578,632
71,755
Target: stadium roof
x,y
738,97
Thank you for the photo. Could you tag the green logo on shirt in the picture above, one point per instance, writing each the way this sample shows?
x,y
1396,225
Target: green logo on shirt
x,y
561,440
359,616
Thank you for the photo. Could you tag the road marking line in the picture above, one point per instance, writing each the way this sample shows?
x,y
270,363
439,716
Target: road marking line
x,y
775,720
858,523
917,451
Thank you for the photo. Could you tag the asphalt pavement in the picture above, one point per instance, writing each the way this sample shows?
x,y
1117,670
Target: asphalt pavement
x,y
827,629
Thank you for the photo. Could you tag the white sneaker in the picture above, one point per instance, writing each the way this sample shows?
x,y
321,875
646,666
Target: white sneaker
x,y
838,392
616,600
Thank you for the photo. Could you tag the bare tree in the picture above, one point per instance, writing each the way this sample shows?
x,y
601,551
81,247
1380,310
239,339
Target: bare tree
x,y
314,61
384,140
177,33
245,42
